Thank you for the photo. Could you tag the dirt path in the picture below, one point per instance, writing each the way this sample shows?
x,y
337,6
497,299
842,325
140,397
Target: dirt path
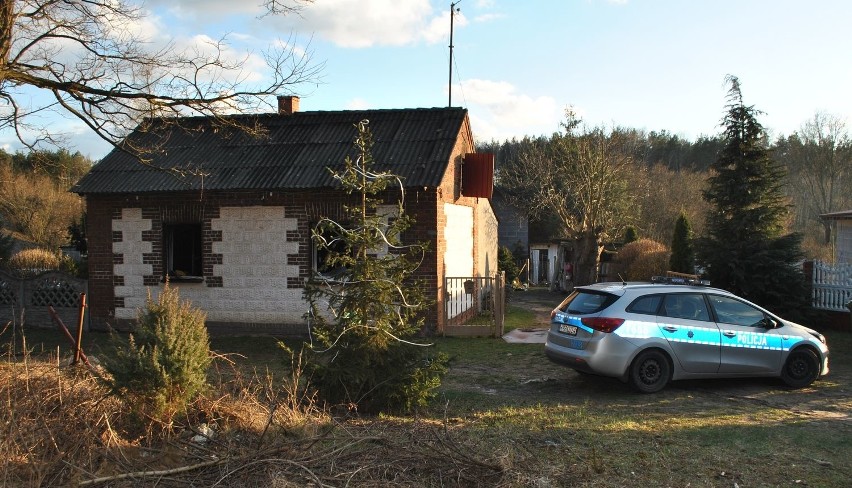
x,y
540,301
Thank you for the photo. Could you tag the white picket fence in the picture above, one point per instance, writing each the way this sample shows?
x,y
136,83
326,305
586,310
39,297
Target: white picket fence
x,y
832,286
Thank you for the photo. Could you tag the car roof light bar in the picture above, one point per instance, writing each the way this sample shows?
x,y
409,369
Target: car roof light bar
x,y
679,280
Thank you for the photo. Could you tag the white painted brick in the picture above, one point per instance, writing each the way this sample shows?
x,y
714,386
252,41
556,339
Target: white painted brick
x,y
125,313
131,247
134,302
132,269
137,281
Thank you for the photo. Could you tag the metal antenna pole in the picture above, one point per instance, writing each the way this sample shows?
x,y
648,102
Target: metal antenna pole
x,y
452,14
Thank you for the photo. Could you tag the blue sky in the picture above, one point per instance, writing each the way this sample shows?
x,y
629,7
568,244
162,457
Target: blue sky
x,y
646,64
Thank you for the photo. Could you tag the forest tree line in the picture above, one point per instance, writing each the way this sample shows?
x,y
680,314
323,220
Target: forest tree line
x,y
668,173
35,204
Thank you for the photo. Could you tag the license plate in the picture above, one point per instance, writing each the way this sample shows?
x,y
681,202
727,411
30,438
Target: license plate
x,y
568,329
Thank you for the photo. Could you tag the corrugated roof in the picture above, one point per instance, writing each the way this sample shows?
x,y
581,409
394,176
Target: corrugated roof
x,y
294,152
846,214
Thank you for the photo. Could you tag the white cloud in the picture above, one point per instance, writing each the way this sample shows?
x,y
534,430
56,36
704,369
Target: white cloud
x,y
481,19
206,10
361,24
345,23
499,111
357,104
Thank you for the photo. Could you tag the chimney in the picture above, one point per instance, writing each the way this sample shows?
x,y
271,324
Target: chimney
x,y
288,104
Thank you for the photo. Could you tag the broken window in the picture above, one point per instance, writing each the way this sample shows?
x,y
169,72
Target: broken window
x,y
328,242
182,252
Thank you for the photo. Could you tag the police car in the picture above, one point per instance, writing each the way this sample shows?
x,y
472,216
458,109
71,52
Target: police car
x,y
648,334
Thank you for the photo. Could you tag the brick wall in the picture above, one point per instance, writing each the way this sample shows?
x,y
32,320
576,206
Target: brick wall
x,y
256,253
256,248
513,230
449,192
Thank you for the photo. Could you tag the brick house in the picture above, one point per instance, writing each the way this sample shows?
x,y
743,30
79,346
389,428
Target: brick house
x,y
227,216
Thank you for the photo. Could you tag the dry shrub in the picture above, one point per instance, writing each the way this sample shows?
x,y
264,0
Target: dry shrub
x,y
55,420
37,207
29,260
642,259
257,402
61,428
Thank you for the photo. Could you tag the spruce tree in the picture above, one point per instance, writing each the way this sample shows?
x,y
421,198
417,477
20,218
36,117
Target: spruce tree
x,y
506,262
366,314
746,249
630,235
162,365
682,259
7,243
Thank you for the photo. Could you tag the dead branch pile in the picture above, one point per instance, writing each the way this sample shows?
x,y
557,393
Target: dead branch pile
x,y
60,428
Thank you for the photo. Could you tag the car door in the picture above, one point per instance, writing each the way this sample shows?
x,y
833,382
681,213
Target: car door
x,y
684,320
748,345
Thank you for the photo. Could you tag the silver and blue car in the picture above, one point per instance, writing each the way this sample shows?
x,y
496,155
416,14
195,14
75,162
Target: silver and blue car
x,y
648,334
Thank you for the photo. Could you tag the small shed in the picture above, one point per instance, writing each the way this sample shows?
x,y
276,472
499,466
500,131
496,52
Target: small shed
x,y
843,235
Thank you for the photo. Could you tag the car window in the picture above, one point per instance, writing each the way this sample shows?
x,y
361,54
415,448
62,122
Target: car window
x,y
648,304
585,302
685,306
735,312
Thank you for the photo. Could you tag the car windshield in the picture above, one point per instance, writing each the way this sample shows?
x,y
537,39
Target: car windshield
x,y
583,302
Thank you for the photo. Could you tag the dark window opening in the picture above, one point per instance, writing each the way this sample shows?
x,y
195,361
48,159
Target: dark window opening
x,y
182,249
325,247
400,240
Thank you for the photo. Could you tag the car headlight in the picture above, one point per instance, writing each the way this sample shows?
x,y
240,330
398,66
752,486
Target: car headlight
x,y
820,337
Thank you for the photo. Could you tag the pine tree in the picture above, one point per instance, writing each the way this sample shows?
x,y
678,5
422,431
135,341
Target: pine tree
x,y
366,313
683,255
746,250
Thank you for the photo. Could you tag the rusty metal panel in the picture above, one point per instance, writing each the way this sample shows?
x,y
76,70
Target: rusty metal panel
x,y
478,175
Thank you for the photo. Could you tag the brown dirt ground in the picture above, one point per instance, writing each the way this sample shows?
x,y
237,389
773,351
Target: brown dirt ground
x,y
829,398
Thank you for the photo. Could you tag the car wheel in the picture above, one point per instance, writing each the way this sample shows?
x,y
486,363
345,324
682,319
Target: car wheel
x,y
650,371
801,368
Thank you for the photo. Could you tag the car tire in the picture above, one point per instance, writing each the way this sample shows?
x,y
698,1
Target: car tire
x,y
650,372
801,368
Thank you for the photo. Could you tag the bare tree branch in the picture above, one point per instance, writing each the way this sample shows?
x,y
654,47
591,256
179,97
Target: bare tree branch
x,y
89,58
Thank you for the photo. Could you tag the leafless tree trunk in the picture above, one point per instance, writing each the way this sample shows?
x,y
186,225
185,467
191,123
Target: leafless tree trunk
x,y
820,168
579,176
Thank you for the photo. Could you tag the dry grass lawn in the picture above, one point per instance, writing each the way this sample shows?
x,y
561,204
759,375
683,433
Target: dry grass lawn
x,y
504,416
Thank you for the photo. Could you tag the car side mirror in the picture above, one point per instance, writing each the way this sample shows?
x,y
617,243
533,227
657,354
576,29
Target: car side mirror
x,y
770,323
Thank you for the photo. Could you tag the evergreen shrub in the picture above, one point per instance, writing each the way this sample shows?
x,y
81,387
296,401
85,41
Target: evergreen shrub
x,y
161,366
